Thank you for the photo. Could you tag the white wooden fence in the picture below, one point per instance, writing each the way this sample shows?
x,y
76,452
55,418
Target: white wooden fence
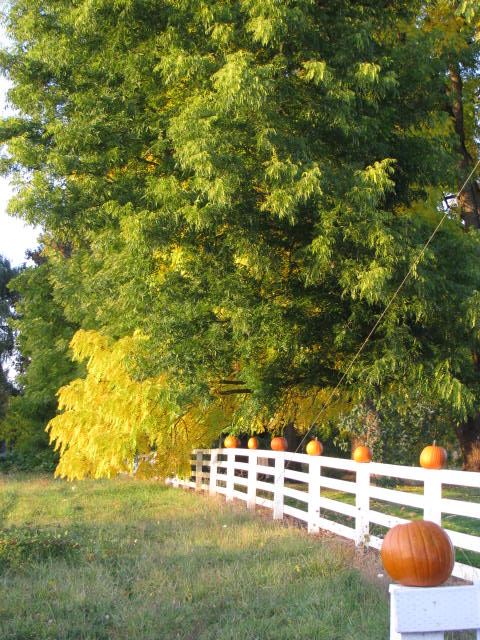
x,y
295,484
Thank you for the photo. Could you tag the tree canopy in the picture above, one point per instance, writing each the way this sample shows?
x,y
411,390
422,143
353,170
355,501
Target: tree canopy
x,y
231,193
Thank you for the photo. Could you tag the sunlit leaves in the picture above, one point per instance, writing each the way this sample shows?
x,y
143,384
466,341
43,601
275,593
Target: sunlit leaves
x,y
111,422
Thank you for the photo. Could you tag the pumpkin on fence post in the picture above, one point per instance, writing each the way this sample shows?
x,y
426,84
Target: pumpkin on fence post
x,y
314,448
232,442
418,554
363,453
433,457
279,443
253,443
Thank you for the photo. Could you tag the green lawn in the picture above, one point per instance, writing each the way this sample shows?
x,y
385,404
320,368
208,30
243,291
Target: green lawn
x,y
125,559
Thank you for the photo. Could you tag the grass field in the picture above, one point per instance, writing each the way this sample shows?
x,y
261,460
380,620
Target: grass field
x,y
124,559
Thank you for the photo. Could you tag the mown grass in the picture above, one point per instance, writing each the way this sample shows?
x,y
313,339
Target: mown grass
x,y
124,559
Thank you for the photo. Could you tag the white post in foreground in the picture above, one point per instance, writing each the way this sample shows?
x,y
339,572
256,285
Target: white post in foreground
x,y
213,472
230,474
252,480
314,472
418,613
362,503
432,496
278,487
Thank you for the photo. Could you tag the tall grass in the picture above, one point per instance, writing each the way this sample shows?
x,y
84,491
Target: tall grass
x,y
123,559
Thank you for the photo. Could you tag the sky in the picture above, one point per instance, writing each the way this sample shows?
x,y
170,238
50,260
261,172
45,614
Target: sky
x,y
15,236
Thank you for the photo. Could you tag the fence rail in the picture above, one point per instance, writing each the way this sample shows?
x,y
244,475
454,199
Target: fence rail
x,y
295,484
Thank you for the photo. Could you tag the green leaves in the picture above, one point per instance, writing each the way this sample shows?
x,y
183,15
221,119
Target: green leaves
x,y
245,184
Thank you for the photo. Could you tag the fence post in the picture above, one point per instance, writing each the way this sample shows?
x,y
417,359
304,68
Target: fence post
x,y
213,472
252,480
314,473
278,486
230,474
393,613
199,471
362,503
432,493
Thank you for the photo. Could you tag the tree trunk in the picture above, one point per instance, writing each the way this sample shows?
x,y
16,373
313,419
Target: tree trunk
x,y
468,432
469,199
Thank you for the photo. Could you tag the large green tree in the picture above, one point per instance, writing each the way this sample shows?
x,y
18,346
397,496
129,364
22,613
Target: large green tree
x,y
7,300
43,365
247,183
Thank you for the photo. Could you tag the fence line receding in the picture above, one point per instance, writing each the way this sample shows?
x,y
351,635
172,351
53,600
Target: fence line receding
x,y
347,498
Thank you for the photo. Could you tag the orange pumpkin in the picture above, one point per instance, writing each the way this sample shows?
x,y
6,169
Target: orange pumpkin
x,y
433,457
279,444
418,554
253,443
232,442
363,454
314,448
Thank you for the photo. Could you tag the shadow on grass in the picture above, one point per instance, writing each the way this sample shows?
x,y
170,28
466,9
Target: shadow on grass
x,y
175,565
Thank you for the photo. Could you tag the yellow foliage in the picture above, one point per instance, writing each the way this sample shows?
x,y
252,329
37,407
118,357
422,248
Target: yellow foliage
x,y
304,408
109,420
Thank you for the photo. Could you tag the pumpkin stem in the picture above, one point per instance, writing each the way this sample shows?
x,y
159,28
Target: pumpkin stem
x,y
434,443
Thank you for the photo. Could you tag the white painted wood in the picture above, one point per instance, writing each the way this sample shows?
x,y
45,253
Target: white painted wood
x,y
362,504
241,481
261,468
461,478
394,634
464,540
240,495
397,497
434,610
375,542
339,485
298,514
241,466
466,572
199,470
432,494
343,464
339,507
385,520
291,474
296,494
213,472
314,473
397,471
460,507
278,487
230,473
252,480
265,486
336,527
264,502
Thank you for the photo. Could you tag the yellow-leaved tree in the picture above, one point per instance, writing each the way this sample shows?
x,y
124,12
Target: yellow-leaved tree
x,y
112,423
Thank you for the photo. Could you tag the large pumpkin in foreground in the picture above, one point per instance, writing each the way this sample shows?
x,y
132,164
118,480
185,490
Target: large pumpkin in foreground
x,y
433,457
279,444
418,554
